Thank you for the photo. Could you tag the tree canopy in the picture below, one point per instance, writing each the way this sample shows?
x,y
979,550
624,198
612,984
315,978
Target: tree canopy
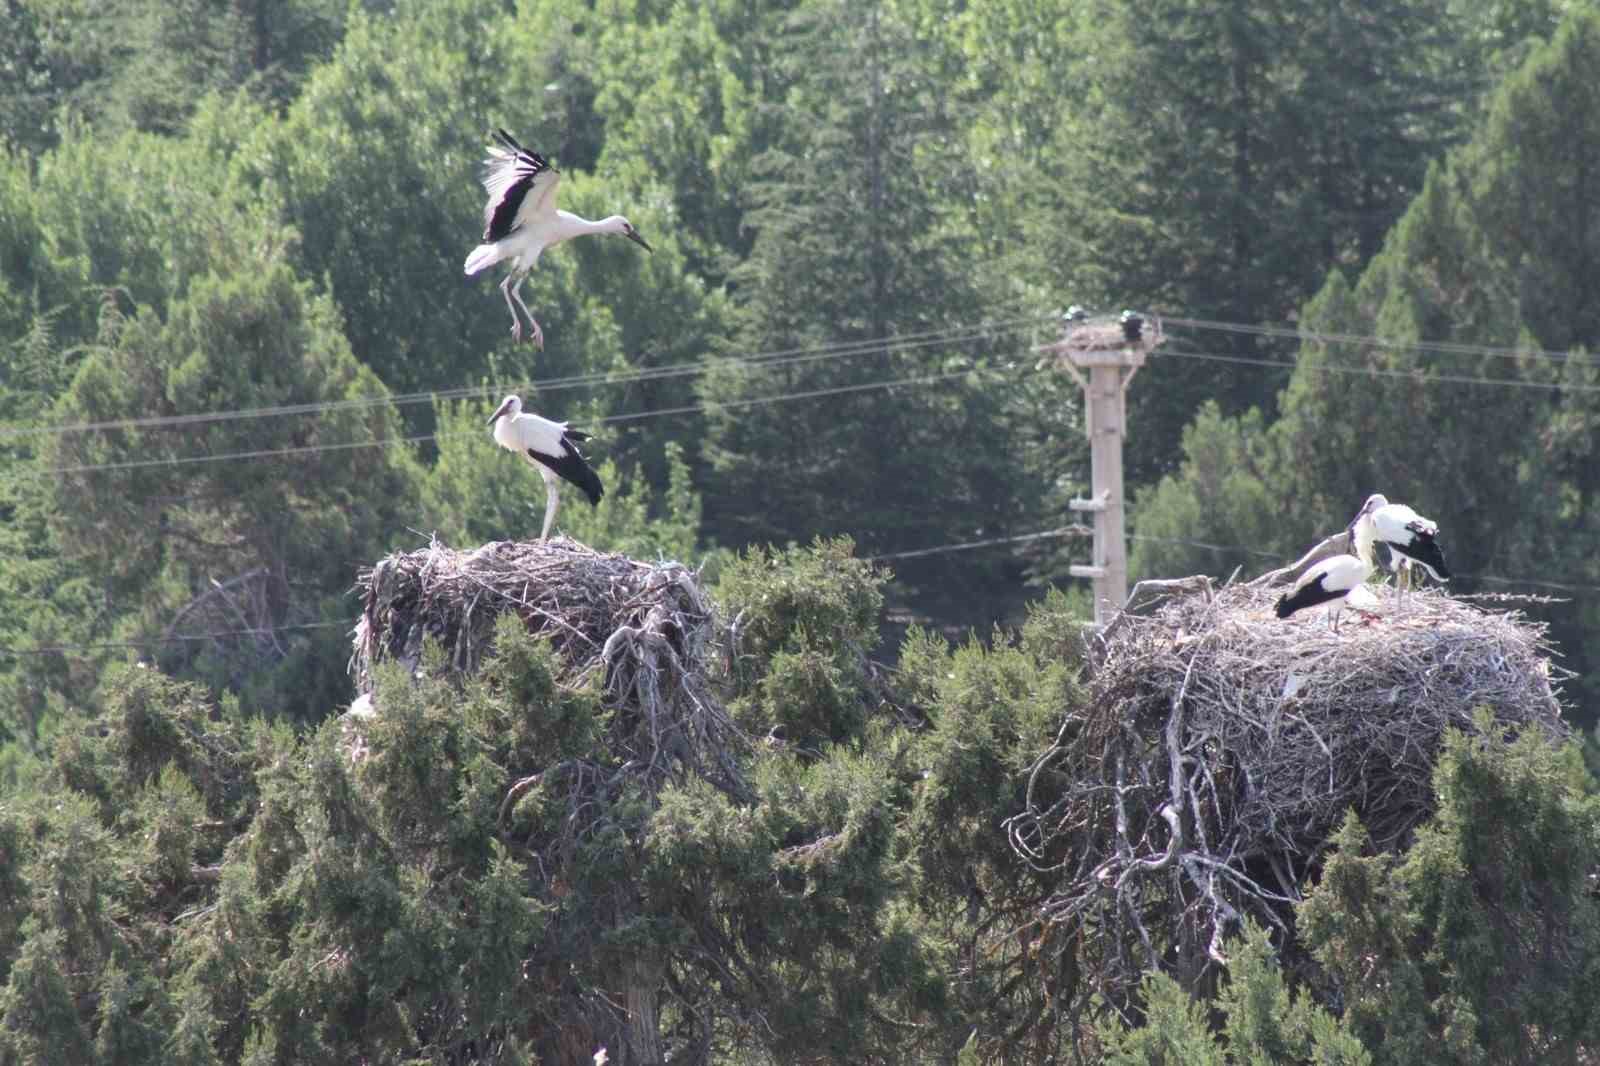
x,y
240,363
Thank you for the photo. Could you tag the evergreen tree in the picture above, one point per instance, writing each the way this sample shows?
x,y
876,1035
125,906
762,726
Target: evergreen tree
x,y
247,526
685,91
1235,153
988,712
1481,943
850,248
1473,400
145,64
92,223
1263,1021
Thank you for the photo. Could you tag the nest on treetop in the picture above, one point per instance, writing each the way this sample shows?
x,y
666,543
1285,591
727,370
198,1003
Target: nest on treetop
x,y
644,638
1222,747
647,629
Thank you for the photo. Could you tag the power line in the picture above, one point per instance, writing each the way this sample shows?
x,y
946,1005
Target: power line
x,y
1075,530
1440,347
1203,544
307,449
176,638
780,357
1375,372
847,349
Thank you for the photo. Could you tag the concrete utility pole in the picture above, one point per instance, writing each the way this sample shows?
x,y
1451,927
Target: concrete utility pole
x,y
1110,352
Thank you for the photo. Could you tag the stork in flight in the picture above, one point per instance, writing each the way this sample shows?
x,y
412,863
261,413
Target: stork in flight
x,y
1410,538
520,221
552,448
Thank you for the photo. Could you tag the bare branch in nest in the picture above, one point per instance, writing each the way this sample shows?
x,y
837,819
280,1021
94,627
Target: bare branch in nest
x,y
1337,544
1222,747
645,629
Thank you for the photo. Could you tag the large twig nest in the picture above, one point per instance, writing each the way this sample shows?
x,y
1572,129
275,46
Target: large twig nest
x,y
647,628
1223,746
643,636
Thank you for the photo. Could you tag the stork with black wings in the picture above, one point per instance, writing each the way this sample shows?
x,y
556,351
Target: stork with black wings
x,y
520,221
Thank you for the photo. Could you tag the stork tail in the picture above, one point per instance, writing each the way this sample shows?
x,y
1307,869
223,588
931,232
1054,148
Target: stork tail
x,y
1311,594
572,467
482,256
1425,551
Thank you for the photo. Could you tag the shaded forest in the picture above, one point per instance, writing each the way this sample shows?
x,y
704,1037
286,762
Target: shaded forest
x,y
239,364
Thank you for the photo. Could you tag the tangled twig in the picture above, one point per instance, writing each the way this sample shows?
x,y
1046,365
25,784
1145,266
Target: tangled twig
x,y
646,628
1222,747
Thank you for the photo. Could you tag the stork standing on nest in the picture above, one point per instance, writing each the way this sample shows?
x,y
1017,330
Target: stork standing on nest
x,y
552,448
520,221
1333,579
1411,540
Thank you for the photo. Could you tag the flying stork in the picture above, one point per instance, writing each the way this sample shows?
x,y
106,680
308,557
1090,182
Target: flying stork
x,y
1330,581
1410,538
520,221
552,448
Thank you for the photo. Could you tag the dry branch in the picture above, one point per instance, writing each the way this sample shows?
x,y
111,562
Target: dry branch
x,y
645,629
1222,747
642,635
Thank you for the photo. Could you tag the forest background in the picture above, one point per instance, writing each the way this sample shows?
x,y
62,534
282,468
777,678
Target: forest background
x,y
240,362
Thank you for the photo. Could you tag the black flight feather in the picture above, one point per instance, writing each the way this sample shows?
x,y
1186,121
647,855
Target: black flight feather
x,y
500,218
1425,550
1310,594
571,466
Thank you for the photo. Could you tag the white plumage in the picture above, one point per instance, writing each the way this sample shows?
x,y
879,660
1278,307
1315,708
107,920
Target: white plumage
x,y
1410,538
1330,582
552,448
520,220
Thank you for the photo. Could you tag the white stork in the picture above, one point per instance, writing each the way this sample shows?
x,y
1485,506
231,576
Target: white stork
x,y
520,221
553,450
1330,581
1410,538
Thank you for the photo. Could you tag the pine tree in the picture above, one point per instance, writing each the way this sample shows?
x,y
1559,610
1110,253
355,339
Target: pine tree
x,y
1234,155
851,248
1482,942
250,527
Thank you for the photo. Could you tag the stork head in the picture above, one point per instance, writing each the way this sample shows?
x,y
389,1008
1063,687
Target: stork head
x,y
508,407
619,225
1375,501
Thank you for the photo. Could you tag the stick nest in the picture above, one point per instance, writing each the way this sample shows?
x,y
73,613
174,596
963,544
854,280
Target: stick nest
x,y
1222,747
648,630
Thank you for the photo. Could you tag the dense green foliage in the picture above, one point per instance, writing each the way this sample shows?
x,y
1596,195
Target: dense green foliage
x,y
239,361
1494,445
190,881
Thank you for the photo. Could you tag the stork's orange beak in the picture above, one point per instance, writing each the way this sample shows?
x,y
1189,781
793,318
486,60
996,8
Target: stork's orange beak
x,y
498,412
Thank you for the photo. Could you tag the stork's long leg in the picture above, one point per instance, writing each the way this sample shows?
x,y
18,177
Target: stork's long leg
x,y
552,500
505,290
538,334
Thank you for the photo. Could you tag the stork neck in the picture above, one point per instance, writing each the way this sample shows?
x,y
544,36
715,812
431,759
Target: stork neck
x,y
1365,538
570,225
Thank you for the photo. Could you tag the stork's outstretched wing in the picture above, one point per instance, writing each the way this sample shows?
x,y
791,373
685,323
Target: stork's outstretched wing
x,y
521,187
